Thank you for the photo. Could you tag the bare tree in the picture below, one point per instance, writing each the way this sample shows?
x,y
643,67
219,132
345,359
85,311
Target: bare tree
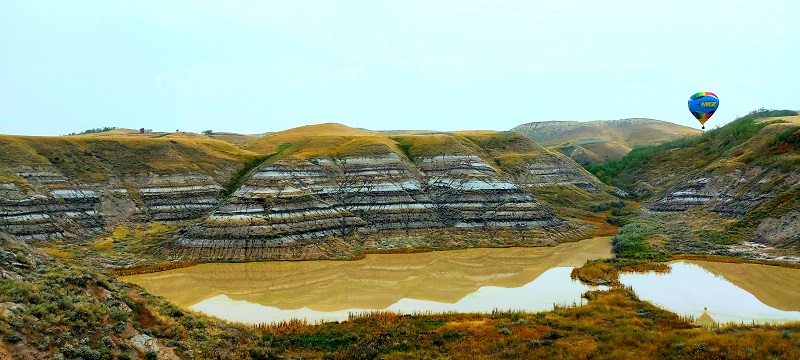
x,y
350,191
445,188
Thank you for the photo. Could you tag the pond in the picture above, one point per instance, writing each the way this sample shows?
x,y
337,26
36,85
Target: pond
x,y
722,292
473,280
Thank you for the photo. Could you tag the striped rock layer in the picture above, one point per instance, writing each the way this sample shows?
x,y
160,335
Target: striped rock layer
x,y
55,206
298,209
731,193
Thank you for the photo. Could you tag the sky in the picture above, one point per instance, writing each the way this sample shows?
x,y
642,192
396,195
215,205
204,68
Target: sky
x,y
262,66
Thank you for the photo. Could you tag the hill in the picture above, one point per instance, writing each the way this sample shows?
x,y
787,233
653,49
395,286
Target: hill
x,y
594,142
76,186
392,189
296,193
730,185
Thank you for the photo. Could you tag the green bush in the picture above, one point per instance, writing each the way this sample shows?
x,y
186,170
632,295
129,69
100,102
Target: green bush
x,y
151,354
631,242
608,205
96,130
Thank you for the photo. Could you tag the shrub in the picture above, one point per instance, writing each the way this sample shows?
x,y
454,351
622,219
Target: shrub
x,y
96,130
608,205
13,338
86,353
150,354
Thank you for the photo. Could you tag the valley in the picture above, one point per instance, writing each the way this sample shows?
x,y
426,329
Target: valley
x,y
356,222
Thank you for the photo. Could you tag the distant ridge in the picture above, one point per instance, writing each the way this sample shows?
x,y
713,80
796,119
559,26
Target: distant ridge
x,y
593,142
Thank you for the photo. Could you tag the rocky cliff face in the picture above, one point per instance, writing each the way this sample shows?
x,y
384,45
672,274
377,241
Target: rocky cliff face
x,y
57,207
296,209
732,193
104,183
780,231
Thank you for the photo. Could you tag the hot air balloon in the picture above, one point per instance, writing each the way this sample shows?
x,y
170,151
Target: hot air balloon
x,y
702,105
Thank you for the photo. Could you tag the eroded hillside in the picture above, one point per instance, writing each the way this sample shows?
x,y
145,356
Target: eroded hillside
x,y
77,186
738,182
329,184
314,192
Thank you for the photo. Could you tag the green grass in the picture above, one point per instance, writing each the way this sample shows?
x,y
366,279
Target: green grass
x,y
696,151
632,242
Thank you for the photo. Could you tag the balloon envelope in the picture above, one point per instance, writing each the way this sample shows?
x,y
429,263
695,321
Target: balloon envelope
x,y
703,105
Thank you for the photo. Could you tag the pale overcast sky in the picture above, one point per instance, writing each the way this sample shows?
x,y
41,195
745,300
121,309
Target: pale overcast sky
x,y
261,66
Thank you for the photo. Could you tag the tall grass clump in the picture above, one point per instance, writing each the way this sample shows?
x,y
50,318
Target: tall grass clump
x,y
632,242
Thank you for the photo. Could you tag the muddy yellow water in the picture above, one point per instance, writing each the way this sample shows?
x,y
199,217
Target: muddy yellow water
x,y
720,292
776,287
375,283
474,280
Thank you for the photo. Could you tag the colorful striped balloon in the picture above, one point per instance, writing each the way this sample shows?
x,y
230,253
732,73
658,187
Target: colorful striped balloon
x,y
703,105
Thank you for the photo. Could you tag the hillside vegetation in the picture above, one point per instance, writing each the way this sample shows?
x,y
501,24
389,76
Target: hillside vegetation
x,y
708,194
54,310
59,304
691,153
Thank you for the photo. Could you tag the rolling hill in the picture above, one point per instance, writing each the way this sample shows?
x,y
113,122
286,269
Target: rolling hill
x,y
594,142
730,185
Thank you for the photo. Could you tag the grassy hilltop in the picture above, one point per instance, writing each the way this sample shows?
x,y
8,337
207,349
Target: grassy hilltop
x,y
595,142
96,157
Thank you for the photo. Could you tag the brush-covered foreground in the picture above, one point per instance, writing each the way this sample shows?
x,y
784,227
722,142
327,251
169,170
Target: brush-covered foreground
x,y
53,310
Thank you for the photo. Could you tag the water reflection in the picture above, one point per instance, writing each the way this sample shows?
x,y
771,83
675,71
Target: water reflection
x,y
466,280
689,288
554,286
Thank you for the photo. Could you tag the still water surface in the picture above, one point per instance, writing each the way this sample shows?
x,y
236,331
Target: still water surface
x,y
474,280
738,293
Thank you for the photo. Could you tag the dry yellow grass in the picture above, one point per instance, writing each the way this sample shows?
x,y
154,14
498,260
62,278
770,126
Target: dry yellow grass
x,y
431,145
324,140
336,140
792,119
59,253
103,244
94,157
236,139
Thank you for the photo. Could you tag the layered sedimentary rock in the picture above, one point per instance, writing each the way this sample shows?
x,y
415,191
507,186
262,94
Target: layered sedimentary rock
x,y
309,193
782,231
50,205
75,186
732,193
284,207
554,170
465,191
174,197
57,210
